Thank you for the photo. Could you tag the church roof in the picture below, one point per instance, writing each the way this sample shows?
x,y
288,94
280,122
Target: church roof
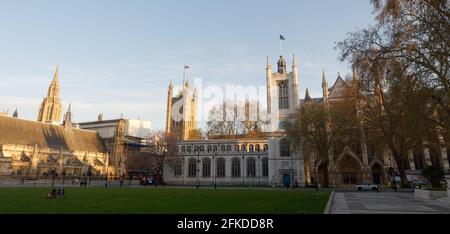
x,y
24,132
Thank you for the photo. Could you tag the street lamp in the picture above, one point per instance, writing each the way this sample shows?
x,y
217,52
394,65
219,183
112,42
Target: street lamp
x,y
259,170
292,172
393,173
243,170
214,165
197,148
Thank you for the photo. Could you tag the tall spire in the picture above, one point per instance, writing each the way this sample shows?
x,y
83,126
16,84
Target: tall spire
x,y
68,117
324,86
307,96
294,63
51,108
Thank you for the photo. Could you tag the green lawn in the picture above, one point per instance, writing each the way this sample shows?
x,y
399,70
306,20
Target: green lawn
x,y
161,201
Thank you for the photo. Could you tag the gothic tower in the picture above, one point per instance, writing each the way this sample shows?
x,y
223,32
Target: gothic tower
x,y
283,103
282,93
50,110
181,115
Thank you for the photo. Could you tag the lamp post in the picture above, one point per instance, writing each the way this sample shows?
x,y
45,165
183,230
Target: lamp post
x,y
198,165
259,170
214,165
243,170
393,173
292,172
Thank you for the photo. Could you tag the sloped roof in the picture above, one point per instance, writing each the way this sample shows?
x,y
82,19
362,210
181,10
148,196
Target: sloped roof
x,y
338,87
24,132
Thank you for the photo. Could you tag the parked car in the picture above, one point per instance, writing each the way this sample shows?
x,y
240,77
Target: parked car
x,y
367,186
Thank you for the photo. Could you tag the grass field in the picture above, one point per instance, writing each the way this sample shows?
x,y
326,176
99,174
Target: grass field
x,y
161,201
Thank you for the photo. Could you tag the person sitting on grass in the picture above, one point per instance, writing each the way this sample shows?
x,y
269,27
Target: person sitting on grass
x,y
52,194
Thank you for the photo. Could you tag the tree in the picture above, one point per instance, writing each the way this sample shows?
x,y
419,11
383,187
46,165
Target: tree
x,y
230,120
319,127
416,34
403,61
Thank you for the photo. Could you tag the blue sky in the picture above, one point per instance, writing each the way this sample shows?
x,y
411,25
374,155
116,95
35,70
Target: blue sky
x,y
118,56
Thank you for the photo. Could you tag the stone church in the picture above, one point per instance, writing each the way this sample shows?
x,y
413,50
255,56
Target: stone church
x,y
269,159
266,160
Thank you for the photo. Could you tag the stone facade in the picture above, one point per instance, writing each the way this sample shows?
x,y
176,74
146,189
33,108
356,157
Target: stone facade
x,y
281,165
31,149
181,116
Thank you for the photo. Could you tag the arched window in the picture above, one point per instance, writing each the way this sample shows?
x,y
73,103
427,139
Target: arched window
x,y
206,169
209,148
243,148
192,172
236,167
265,167
220,167
285,148
177,169
228,148
266,147
202,148
283,95
215,148
222,148
251,148
236,148
251,167
183,149
189,149
258,148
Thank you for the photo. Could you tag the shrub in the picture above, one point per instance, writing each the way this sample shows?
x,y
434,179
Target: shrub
x,y
434,175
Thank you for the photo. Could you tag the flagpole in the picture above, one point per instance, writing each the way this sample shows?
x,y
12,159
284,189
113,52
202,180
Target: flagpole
x,y
281,47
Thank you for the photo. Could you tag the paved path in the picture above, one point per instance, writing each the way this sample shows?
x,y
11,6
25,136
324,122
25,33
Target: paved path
x,y
386,203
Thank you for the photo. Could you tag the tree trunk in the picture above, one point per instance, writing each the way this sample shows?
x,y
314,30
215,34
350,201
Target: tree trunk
x,y
325,175
401,168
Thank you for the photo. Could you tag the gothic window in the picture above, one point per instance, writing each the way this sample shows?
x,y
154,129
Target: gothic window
x,y
251,167
283,95
258,148
220,167
265,167
192,172
285,148
206,167
266,147
236,167
236,148
177,169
